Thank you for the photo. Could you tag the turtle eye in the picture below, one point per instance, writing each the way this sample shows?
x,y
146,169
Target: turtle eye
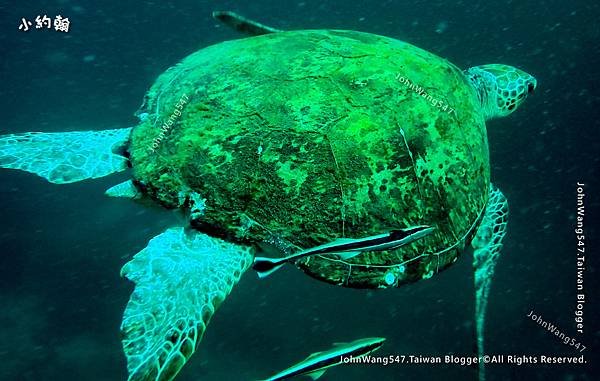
x,y
530,88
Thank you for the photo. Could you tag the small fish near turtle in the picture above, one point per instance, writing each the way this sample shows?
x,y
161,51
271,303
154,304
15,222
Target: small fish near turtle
x,y
316,364
276,143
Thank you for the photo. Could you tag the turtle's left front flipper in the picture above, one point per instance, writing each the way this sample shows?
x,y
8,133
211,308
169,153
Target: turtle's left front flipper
x,y
180,278
66,157
487,244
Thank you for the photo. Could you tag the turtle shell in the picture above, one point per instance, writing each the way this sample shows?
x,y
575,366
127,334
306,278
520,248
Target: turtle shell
x,y
299,138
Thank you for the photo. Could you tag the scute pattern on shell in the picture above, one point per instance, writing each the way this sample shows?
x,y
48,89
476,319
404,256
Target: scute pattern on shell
x,y
307,136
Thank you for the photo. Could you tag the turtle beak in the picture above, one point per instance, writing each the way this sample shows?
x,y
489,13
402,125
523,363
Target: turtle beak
x,y
531,86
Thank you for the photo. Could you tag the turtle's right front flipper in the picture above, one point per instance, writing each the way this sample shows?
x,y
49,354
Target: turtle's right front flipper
x,y
181,278
487,244
65,157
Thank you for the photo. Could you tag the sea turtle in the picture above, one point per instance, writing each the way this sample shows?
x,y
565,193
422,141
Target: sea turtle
x,y
290,140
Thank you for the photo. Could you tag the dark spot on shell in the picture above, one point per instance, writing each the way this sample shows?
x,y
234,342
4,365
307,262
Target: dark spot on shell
x,y
395,194
382,188
372,194
443,126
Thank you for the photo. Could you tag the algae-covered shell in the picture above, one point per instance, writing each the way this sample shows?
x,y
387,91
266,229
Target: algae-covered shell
x,y
298,138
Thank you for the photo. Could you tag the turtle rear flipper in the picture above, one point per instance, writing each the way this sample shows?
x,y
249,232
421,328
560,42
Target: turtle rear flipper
x,y
181,278
487,244
242,24
65,157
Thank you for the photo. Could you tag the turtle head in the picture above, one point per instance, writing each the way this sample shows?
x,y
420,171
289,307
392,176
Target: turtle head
x,y
500,88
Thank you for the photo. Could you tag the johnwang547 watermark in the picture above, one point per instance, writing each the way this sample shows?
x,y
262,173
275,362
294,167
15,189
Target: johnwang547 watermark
x,y
421,91
168,124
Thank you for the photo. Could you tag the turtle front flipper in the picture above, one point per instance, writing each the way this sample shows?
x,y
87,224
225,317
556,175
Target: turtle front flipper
x,y
181,278
242,24
487,244
66,157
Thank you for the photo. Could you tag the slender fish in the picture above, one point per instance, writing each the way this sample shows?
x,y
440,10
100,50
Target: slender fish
x,y
316,364
346,248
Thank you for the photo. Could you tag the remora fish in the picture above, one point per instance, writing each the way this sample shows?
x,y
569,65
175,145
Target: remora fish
x,y
316,364
346,248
